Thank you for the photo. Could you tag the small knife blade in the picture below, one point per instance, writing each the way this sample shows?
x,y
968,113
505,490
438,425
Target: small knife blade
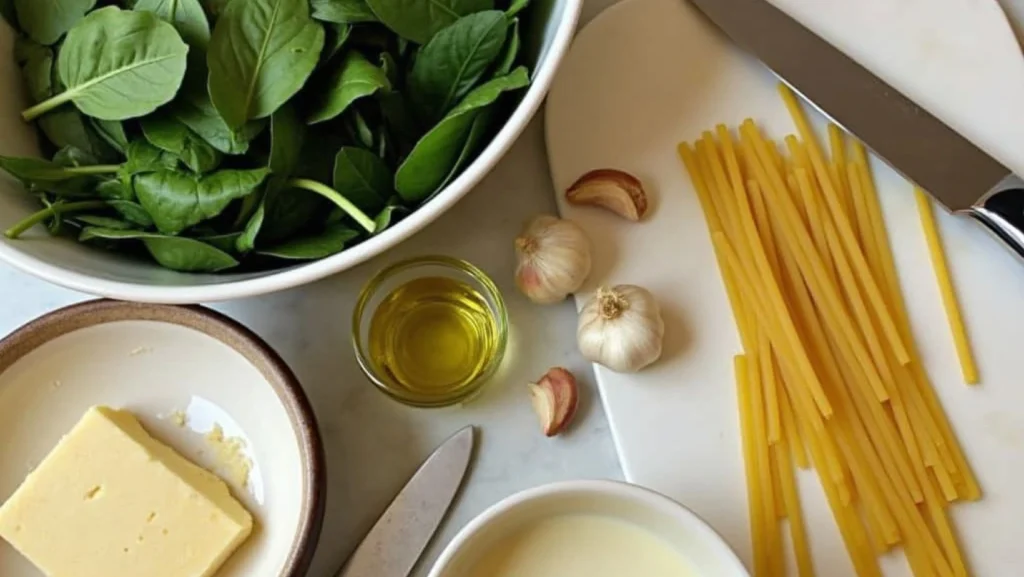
x,y
398,539
915,143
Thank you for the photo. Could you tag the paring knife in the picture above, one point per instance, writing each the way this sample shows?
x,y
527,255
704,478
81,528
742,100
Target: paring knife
x,y
919,146
396,542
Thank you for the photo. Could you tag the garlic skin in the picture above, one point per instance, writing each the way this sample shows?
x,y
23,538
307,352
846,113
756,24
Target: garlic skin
x,y
621,328
553,259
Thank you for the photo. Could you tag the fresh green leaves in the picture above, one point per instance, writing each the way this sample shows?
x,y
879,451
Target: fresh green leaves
x,y
45,21
431,161
419,20
355,78
261,54
363,178
171,135
187,16
342,11
454,61
175,253
178,200
118,64
218,134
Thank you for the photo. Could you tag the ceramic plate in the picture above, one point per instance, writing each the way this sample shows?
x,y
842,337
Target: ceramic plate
x,y
186,373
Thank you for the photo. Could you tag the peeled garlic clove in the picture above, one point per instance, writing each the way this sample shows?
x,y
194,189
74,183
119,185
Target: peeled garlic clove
x,y
621,328
615,190
553,259
555,399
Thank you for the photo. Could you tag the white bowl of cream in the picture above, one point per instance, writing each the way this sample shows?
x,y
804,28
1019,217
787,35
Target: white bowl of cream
x,y
588,529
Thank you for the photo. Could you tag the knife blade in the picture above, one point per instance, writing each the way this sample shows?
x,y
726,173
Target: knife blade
x,y
398,539
916,144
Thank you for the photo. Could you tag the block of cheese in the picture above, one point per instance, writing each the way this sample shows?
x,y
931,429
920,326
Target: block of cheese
x,y
111,501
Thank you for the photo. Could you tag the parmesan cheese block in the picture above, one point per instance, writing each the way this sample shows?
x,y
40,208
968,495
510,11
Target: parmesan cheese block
x,y
112,501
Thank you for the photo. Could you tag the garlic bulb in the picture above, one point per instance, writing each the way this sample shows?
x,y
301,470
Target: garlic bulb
x,y
554,259
621,328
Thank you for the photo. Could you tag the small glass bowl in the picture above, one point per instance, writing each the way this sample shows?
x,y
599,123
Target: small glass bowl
x,y
396,275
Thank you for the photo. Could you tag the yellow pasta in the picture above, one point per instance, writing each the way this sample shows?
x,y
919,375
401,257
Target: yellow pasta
x,y
755,495
949,299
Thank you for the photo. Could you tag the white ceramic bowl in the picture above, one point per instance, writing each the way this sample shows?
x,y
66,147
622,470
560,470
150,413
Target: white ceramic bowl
x,y
704,549
546,38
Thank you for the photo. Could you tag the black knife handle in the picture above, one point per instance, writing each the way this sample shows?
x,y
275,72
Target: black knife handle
x,y
1002,211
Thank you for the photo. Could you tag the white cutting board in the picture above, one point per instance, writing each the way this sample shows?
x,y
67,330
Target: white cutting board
x,y
646,74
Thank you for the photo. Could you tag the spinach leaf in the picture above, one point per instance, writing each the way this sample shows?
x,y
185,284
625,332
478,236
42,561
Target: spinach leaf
x,y
363,178
132,212
510,51
173,252
225,242
261,54
144,157
331,241
388,216
400,122
45,21
284,212
515,7
342,11
170,135
419,20
431,161
215,7
104,222
114,189
178,200
355,78
287,133
74,156
52,212
360,129
64,126
29,169
112,132
477,133
202,118
390,69
187,16
454,61
118,64
337,36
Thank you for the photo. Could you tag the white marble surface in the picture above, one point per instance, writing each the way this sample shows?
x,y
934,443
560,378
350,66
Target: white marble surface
x,y
374,444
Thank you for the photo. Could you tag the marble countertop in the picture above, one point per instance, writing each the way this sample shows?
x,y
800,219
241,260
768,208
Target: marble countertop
x,y
374,444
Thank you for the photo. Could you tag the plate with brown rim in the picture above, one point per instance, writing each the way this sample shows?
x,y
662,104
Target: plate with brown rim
x,y
196,380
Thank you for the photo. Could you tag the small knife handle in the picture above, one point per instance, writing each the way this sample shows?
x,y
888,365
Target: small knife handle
x,y
1002,212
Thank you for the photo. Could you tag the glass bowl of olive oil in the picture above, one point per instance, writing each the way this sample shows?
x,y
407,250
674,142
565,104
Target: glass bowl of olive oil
x,y
430,331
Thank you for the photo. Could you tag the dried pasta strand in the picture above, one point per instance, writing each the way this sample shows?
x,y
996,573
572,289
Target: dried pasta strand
x,y
755,495
797,530
792,434
846,235
949,298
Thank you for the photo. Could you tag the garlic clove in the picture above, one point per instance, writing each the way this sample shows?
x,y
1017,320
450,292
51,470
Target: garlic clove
x,y
615,190
555,399
553,259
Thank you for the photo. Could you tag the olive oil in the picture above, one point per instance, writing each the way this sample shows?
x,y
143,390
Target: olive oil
x,y
433,336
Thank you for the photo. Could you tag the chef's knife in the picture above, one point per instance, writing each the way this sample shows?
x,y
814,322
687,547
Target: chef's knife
x,y
396,542
915,143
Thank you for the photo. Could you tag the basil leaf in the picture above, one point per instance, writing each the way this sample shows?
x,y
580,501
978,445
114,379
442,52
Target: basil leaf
x,y
454,61
172,136
178,200
354,78
215,7
510,51
45,21
187,17
202,118
419,20
431,161
173,252
261,54
515,7
287,133
112,132
363,178
118,64
331,241
132,212
342,11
